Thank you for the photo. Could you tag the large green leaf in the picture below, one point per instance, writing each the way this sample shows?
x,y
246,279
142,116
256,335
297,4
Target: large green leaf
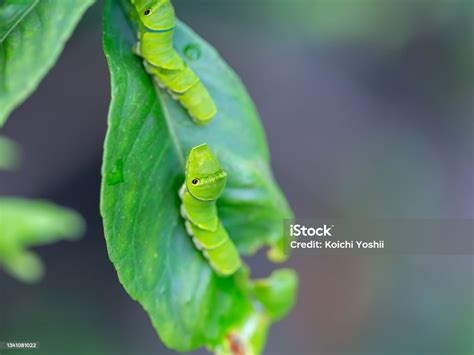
x,y
11,14
33,35
147,142
27,223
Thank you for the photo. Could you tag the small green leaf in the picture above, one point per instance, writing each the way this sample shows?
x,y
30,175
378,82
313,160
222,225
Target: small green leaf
x,y
148,138
9,154
33,35
277,292
25,224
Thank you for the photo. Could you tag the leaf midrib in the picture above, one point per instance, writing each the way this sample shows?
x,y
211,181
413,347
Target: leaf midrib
x,y
33,5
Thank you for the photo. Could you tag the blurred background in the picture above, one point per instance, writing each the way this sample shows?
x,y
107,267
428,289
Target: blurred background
x,y
368,109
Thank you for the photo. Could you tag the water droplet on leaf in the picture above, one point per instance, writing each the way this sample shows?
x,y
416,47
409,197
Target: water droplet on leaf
x,y
116,174
192,51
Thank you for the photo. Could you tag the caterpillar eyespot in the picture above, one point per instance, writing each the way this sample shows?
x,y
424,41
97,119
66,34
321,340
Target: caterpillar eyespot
x,y
204,183
162,61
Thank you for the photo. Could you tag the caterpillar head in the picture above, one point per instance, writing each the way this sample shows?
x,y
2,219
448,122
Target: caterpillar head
x,y
205,178
155,14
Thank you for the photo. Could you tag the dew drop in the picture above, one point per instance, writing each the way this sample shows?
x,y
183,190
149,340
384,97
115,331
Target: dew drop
x,y
115,176
192,51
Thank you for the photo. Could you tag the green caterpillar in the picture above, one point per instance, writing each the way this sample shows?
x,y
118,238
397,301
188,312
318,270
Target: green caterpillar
x,y
204,182
155,46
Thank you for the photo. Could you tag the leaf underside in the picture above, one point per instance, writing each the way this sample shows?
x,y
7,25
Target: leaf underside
x,y
149,136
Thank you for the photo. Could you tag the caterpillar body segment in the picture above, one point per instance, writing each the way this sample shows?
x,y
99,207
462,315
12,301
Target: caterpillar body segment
x,y
225,259
204,183
157,50
218,248
202,214
208,240
182,80
199,103
162,61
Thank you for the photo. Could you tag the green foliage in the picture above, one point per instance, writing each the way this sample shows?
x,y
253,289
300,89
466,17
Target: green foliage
x,y
12,13
147,142
277,292
25,224
9,155
32,35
